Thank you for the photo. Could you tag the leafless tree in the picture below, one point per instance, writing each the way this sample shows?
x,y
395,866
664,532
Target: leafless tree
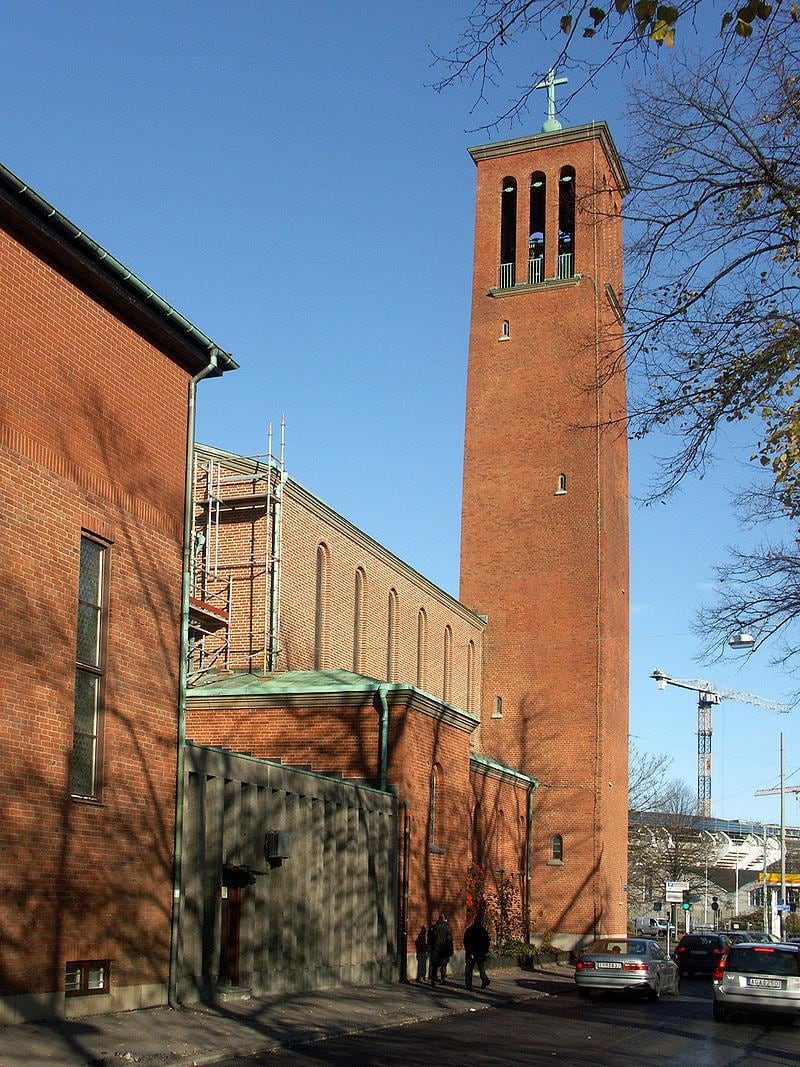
x,y
620,34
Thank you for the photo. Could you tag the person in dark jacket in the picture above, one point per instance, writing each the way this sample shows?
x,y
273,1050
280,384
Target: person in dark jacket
x,y
421,945
476,949
440,946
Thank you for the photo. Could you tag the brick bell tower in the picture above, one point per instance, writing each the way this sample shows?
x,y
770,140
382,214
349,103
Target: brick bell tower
x,y
544,550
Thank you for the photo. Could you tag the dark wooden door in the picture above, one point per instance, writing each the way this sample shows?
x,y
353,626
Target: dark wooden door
x,y
229,937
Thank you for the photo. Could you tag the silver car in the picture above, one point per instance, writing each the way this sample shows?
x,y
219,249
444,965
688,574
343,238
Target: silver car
x,y
757,977
635,963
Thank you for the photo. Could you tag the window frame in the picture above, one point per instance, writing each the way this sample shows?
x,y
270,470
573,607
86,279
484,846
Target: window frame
x,y
359,620
447,665
322,564
556,850
84,966
392,620
97,671
422,648
434,815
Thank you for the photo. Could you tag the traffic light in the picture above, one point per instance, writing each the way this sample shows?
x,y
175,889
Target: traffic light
x,y
656,905
687,900
714,904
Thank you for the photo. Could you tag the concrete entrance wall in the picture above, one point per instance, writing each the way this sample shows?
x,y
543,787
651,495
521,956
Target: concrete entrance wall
x,y
323,916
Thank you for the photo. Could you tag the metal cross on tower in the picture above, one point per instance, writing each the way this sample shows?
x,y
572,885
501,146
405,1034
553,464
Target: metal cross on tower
x,y
707,696
551,123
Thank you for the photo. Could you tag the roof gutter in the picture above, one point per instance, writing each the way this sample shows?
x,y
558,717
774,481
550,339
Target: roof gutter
x,y
54,220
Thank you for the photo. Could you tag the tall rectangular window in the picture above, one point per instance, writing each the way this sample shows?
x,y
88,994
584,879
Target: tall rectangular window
x,y
89,670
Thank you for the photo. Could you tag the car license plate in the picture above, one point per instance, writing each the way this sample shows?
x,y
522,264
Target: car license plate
x,y
767,983
611,966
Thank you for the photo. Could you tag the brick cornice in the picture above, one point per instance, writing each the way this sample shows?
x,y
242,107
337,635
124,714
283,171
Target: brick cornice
x,y
567,136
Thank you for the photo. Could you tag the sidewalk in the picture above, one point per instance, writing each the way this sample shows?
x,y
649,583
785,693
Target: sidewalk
x,y
203,1035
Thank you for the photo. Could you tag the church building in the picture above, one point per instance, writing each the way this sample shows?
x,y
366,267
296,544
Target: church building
x,y
246,745
500,718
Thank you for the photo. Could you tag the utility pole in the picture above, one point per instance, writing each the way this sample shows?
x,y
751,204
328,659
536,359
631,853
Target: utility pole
x,y
782,912
771,792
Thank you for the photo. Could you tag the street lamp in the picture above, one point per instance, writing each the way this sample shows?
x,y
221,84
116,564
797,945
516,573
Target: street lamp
x,y
741,639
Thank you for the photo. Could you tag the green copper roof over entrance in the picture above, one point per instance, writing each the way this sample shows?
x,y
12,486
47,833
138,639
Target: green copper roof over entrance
x,y
241,683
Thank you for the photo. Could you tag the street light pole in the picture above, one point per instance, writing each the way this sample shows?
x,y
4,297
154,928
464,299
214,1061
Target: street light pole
x,y
764,902
782,917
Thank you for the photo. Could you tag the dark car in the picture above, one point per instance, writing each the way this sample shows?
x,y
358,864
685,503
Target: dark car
x,y
757,977
700,953
738,937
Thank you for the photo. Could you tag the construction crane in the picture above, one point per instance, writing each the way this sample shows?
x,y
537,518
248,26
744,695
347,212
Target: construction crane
x,y
708,695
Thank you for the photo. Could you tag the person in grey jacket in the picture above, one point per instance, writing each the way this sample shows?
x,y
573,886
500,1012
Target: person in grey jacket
x,y
476,949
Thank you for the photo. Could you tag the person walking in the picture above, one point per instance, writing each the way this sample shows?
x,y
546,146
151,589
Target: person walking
x,y
476,949
440,947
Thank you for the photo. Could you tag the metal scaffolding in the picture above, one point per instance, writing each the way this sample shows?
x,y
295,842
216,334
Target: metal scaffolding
x,y
234,579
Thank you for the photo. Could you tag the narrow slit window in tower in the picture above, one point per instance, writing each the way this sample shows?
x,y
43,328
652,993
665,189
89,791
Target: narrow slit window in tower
x,y
505,331
561,485
566,223
536,229
508,232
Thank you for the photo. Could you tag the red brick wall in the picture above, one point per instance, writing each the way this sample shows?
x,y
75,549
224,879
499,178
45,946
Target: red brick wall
x,y
437,880
92,437
499,831
551,570
325,739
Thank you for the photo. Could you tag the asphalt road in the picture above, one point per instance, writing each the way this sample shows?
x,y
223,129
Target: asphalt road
x,y
560,1028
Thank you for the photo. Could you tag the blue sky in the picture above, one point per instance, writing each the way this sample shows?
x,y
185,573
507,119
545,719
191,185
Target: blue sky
x,y
288,179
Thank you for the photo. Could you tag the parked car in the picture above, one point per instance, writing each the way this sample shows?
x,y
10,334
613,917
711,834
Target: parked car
x,y
632,963
736,937
763,936
757,977
700,953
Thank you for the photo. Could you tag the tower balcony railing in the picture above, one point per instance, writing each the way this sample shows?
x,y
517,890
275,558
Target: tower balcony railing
x,y
566,265
506,275
535,270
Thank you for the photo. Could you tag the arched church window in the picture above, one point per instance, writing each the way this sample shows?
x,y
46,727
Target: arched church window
x,y
321,607
422,648
556,849
471,677
536,228
447,667
477,835
561,485
358,621
435,834
508,232
566,223
505,331
391,638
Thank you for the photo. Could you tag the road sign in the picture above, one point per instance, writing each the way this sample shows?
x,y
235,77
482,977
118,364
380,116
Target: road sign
x,y
673,892
784,907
